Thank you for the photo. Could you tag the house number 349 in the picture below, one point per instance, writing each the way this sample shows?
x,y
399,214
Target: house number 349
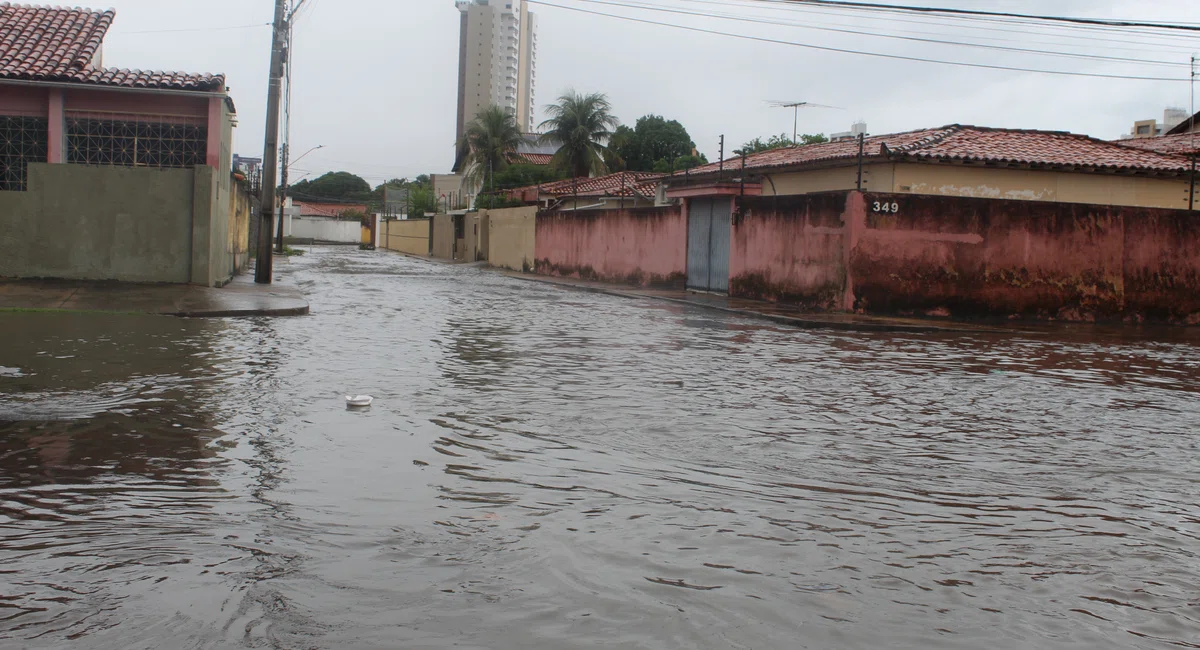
x,y
892,208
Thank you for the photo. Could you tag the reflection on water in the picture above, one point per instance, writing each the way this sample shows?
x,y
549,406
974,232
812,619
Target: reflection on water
x,y
553,469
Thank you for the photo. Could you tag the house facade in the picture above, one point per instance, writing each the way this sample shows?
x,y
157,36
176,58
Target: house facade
x,y
105,173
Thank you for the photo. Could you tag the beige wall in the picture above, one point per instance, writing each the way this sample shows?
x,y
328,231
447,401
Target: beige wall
x,y
409,236
511,238
473,233
238,243
443,237
1016,184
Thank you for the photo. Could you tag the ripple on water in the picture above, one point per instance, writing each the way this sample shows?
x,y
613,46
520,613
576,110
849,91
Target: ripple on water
x,y
553,469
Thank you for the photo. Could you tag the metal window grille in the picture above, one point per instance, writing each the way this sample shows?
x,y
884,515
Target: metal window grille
x,y
23,140
136,142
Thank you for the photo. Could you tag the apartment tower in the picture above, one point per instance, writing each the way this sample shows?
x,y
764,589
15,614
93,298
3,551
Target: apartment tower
x,y
496,60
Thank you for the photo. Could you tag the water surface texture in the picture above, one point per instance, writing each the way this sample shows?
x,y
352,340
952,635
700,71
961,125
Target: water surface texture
x,y
545,468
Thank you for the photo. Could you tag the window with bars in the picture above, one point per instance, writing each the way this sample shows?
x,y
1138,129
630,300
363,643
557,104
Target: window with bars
x,y
23,140
93,140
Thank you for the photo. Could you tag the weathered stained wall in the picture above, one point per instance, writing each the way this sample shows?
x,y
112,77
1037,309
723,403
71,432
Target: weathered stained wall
x,y
474,234
238,242
101,223
410,236
790,249
511,238
965,257
1162,265
443,237
987,182
644,246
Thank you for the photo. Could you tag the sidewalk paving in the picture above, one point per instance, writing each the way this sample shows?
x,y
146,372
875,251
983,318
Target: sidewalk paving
x,y
765,310
240,298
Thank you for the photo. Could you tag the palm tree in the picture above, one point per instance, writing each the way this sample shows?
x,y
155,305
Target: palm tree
x,y
488,140
582,124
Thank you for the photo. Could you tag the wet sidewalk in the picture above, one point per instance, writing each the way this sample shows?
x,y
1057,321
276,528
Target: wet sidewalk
x,y
240,298
764,310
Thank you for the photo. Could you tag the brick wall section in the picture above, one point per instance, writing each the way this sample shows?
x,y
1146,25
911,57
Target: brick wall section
x,y
640,246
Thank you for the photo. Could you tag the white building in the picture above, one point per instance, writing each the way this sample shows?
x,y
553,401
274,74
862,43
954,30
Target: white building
x,y
496,60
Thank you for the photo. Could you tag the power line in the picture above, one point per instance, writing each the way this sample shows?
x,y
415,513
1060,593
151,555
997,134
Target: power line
x,y
1162,40
992,14
1004,48
882,55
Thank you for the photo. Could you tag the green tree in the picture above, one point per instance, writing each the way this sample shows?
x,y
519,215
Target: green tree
x,y
488,140
778,142
338,186
421,200
582,124
681,163
653,140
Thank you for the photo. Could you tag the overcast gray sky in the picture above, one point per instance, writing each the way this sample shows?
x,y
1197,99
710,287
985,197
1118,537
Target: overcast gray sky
x,y
376,80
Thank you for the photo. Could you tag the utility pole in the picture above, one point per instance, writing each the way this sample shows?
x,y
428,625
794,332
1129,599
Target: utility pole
x,y
263,268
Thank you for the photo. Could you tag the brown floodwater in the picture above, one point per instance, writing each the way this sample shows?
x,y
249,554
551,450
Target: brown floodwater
x,y
545,468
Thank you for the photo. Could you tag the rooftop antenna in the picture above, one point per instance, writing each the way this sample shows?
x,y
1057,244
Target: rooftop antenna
x,y
796,106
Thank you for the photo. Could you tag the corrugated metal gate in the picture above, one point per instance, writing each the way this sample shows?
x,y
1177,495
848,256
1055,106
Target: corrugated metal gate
x,y
708,244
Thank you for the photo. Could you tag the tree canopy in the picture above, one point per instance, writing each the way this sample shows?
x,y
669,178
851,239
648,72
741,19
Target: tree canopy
x,y
336,186
681,163
778,142
653,143
582,124
488,140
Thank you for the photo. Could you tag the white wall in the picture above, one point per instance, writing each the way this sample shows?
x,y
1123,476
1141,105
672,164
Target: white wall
x,y
323,229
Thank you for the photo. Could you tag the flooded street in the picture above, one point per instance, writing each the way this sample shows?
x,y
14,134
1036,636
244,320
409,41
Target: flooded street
x,y
545,468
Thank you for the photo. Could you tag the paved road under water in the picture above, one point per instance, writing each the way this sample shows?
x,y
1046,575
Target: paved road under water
x,y
553,469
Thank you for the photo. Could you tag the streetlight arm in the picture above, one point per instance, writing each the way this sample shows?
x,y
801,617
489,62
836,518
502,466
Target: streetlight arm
x,y
320,146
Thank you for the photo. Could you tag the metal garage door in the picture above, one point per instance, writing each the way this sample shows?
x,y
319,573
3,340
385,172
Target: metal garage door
x,y
708,244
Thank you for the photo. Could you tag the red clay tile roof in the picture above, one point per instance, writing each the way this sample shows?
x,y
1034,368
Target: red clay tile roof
x,y
626,184
1184,144
59,44
968,144
314,209
530,158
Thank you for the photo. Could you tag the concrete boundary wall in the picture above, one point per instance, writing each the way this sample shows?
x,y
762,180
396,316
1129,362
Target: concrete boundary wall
x,y
409,236
111,223
512,235
443,237
343,231
641,246
966,257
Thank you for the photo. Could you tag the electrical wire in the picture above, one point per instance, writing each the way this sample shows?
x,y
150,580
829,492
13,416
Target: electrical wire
x,y
1096,57
899,57
869,6
1189,44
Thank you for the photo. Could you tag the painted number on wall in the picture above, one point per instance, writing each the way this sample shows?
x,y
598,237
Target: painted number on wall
x,y
892,208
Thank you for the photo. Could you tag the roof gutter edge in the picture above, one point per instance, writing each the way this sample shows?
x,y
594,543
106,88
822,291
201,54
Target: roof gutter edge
x,y
77,85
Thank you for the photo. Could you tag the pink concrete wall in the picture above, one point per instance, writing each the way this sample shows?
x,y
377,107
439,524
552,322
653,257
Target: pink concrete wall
x,y
790,249
1162,265
962,257
133,103
24,100
968,257
644,246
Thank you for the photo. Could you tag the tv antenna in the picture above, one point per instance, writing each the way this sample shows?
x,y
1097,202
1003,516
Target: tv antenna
x,y
796,106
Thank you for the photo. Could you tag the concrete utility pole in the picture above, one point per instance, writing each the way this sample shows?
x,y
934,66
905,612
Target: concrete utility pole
x,y
263,267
